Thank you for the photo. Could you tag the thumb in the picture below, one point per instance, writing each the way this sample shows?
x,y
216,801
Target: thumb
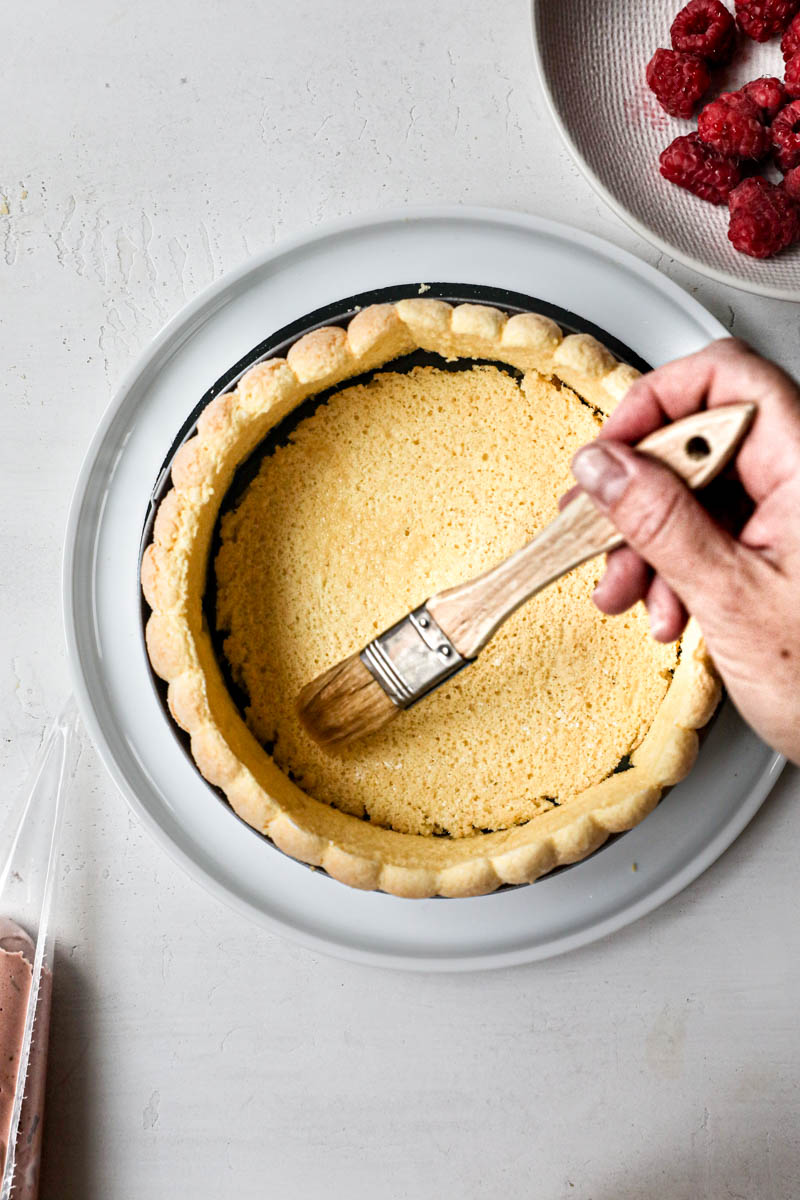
x,y
660,519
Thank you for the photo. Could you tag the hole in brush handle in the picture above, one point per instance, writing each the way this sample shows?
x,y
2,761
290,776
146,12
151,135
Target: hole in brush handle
x,y
697,448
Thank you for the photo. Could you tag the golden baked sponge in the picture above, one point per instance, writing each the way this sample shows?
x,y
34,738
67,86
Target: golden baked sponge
x,y
392,490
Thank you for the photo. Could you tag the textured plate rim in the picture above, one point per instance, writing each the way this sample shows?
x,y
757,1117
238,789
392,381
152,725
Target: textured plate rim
x,y
207,301
644,231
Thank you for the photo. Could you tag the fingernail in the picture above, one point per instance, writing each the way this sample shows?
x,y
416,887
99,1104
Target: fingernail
x,y
600,473
658,621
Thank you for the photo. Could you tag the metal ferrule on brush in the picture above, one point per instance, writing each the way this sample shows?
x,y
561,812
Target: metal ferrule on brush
x,y
412,658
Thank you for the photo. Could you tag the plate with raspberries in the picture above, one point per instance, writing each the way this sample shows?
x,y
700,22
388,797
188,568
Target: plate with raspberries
x,y
686,119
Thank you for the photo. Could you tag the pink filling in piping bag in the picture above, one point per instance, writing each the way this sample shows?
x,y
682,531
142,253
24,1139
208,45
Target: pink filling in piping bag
x,y
29,851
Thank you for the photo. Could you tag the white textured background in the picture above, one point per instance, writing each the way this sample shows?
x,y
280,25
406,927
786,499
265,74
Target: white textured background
x,y
147,148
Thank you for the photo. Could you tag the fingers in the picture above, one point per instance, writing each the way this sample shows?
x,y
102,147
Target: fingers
x,y
667,614
672,391
723,372
773,529
664,523
626,579
564,500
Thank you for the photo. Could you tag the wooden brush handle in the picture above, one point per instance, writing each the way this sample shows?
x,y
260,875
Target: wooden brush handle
x,y
696,448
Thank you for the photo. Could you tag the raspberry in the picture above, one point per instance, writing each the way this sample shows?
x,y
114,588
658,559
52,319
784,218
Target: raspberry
x,y
768,94
790,42
791,184
730,124
678,81
786,137
762,19
764,219
746,193
792,77
691,164
705,28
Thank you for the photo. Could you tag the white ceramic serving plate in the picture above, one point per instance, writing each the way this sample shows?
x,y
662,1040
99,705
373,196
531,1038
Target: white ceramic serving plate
x,y
591,59
695,822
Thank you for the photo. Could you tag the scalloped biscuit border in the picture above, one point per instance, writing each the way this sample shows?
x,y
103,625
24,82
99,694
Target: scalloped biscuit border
x,y
226,753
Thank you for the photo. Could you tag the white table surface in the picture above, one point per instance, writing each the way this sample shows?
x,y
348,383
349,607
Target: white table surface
x,y
148,148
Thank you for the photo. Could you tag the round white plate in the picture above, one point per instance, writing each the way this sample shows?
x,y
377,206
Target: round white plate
x,y
591,59
691,827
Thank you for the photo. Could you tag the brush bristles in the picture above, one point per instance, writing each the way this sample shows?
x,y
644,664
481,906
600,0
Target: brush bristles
x,y
344,703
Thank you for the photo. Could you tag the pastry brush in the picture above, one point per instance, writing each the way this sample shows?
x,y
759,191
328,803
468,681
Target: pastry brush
x,y
447,632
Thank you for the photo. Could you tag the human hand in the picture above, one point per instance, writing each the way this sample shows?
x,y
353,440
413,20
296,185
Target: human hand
x,y
744,590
